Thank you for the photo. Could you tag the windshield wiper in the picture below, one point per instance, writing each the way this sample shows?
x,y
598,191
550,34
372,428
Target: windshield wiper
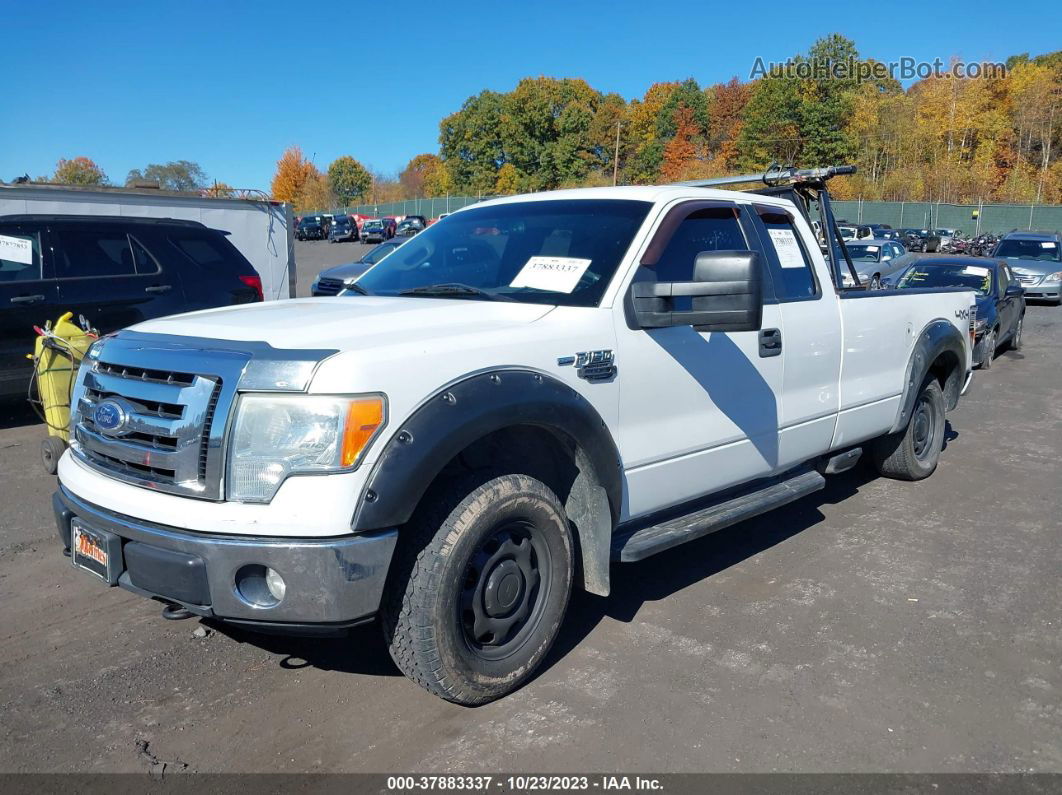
x,y
354,287
454,290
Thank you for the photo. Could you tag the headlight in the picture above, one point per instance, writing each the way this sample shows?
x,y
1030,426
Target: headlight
x,y
979,326
279,435
1053,277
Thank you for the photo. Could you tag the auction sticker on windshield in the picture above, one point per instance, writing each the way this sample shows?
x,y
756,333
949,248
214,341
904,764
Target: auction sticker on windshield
x,y
16,249
555,274
785,243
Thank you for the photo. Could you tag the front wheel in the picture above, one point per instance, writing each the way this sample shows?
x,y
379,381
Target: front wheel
x,y
988,350
477,591
913,453
1015,337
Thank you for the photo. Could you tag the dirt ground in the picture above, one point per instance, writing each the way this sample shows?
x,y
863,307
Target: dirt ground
x,y
873,626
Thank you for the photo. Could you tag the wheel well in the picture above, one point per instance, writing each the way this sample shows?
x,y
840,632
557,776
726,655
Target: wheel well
x,y
555,458
947,370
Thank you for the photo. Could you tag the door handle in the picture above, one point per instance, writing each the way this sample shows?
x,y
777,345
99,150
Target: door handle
x,y
770,342
27,299
158,288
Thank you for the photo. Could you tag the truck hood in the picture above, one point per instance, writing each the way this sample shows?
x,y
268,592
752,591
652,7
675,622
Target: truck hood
x,y
341,322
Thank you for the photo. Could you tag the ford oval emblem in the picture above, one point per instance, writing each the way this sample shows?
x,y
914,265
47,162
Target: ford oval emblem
x,y
109,416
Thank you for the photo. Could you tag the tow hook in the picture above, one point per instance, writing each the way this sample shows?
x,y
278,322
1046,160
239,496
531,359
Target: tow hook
x,y
172,612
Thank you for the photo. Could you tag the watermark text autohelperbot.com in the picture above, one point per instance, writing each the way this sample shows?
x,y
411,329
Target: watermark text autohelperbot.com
x,y
905,68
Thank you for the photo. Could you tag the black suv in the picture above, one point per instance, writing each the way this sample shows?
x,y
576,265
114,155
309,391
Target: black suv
x,y
115,271
311,227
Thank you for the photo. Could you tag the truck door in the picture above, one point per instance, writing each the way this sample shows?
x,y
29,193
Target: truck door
x,y
698,412
812,340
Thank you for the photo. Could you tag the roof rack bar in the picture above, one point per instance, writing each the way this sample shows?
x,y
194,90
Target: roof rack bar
x,y
774,175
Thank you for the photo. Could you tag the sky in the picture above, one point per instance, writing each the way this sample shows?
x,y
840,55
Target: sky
x,y
230,85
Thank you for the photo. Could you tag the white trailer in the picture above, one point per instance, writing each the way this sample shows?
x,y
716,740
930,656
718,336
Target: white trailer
x,y
260,228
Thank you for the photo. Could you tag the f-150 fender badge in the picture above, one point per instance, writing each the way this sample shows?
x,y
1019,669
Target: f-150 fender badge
x,y
962,314
592,365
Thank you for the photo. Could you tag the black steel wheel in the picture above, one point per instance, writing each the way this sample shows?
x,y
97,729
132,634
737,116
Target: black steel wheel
x,y
914,452
478,587
504,589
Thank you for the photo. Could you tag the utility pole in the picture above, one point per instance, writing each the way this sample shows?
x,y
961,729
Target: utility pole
x,y
615,160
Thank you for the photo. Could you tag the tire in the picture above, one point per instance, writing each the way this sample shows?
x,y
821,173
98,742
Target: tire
x,y
988,350
52,449
477,590
913,453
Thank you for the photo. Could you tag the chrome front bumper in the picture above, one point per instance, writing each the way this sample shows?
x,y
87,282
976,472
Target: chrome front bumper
x,y
330,581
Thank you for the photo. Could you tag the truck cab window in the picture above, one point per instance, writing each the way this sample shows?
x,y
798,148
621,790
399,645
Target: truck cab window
x,y
787,258
713,229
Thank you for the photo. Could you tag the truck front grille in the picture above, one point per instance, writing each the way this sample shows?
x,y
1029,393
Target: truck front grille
x,y
163,428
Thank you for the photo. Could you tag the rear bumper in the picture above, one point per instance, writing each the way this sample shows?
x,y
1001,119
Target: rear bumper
x,y
331,582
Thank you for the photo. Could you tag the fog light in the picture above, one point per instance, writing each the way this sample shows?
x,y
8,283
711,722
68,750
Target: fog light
x,y
260,586
275,584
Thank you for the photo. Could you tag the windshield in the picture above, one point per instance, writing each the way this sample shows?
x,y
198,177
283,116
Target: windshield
x,y
379,253
863,253
372,225
307,222
972,277
547,252
1042,250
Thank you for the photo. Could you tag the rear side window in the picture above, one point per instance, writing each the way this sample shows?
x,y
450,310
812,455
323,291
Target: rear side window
x,y
787,258
20,254
90,252
212,253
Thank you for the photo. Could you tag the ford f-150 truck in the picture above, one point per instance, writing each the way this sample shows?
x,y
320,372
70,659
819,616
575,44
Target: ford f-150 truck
x,y
494,413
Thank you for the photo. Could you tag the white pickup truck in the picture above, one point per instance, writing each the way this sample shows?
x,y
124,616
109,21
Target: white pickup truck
x,y
522,394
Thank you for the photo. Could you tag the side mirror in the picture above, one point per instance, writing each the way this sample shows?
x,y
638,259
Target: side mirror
x,y
726,293
1014,289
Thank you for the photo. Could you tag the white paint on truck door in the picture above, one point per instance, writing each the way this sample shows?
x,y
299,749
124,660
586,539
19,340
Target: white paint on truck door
x,y
698,411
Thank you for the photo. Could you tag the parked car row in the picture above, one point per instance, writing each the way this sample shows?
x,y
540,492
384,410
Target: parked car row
x,y
1018,265
346,228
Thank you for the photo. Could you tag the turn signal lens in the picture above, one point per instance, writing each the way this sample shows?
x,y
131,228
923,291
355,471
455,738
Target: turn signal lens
x,y
365,417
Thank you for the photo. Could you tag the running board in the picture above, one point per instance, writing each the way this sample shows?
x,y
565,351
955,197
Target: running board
x,y
641,543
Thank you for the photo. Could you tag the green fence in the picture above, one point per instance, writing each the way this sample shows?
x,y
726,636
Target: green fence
x,y
970,218
429,208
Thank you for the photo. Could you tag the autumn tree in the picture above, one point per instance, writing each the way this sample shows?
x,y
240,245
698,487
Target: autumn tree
x,y
646,148
348,179
470,142
79,171
426,175
507,182
316,194
177,175
292,174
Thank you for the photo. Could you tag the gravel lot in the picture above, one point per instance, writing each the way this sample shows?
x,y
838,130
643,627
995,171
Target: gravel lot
x,y
874,626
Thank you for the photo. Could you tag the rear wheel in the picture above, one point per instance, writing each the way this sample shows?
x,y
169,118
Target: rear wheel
x,y
477,592
913,453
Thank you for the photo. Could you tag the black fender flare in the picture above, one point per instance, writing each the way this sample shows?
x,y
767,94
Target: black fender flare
x,y
939,336
470,409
